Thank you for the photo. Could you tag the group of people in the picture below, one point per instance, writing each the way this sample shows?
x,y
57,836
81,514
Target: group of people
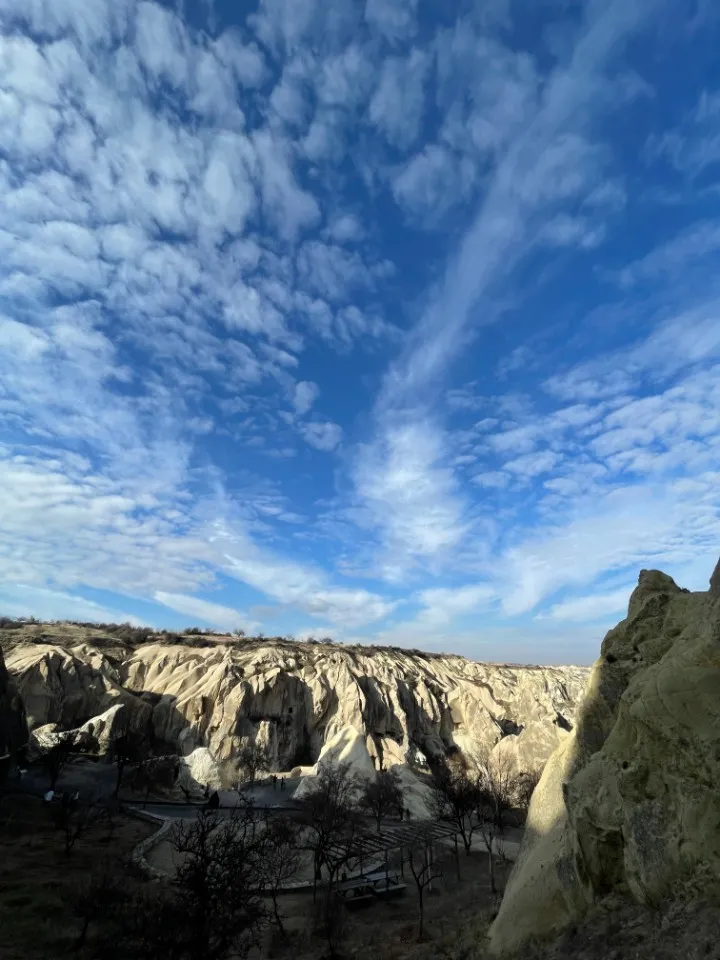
x,y
274,780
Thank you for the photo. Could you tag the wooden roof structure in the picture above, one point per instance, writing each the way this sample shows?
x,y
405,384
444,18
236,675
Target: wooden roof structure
x,y
406,833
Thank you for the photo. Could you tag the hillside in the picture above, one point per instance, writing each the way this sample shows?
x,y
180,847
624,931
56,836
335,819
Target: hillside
x,y
219,692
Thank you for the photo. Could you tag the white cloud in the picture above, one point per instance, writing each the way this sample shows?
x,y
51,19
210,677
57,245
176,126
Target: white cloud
x,y
492,479
324,436
346,229
694,145
669,259
625,528
598,606
32,600
551,160
304,587
411,497
394,19
306,393
532,464
226,618
397,106
442,604
432,182
566,231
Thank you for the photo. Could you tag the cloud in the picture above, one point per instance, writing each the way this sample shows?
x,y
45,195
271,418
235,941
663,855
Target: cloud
x,y
694,145
394,19
397,106
442,604
304,587
432,182
325,436
548,162
306,393
668,260
595,607
32,600
227,618
411,497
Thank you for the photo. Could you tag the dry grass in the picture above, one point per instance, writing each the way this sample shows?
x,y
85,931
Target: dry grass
x,y
389,930
37,880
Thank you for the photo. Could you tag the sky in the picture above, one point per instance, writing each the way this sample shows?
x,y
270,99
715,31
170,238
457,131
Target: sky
x,y
395,321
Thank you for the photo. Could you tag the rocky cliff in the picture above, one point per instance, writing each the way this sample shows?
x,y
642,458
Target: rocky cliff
x,y
628,804
298,697
13,728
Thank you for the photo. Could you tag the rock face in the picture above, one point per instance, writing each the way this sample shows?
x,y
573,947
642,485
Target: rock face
x,y
13,725
628,804
298,697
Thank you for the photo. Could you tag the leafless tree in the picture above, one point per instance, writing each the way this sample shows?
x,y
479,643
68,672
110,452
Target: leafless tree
x,y
78,818
281,860
217,885
455,795
155,774
383,796
497,791
56,750
332,817
498,782
525,784
253,758
424,870
212,911
128,746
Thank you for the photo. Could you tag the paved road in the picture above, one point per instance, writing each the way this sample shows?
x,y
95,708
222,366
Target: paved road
x,y
262,795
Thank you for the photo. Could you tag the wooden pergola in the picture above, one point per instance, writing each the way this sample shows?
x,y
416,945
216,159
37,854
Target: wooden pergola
x,y
368,844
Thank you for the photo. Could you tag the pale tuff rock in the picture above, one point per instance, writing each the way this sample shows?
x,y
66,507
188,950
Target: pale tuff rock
x,y
628,802
95,736
297,697
349,746
68,686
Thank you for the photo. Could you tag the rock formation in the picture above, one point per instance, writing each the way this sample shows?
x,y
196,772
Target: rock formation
x,y
13,726
628,804
297,697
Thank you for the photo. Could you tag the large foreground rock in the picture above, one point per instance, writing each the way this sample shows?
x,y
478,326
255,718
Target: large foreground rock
x,y
13,725
629,803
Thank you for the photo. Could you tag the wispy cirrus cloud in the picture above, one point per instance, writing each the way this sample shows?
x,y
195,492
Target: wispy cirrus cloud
x,y
354,313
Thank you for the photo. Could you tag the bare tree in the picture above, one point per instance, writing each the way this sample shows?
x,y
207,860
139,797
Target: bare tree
x,y
56,750
253,758
498,782
383,796
281,860
212,911
424,870
525,784
332,817
127,747
217,885
455,796
497,790
78,818
155,774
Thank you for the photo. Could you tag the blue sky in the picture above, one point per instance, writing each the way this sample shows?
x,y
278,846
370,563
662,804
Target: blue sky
x,y
391,320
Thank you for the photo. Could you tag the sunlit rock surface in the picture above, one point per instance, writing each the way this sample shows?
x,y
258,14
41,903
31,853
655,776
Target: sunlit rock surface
x,y
629,802
297,698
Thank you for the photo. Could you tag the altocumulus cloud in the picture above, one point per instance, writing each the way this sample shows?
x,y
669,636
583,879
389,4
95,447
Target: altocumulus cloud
x,y
356,316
